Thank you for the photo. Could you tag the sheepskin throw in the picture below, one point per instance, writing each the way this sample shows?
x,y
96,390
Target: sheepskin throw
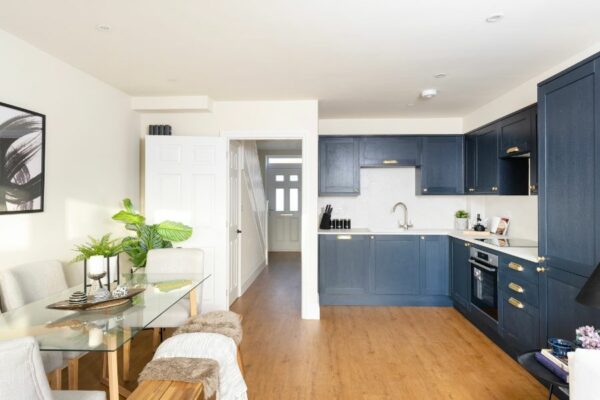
x,y
225,323
191,370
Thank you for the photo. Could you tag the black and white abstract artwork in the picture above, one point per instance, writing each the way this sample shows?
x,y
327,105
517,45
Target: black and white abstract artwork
x,y
22,137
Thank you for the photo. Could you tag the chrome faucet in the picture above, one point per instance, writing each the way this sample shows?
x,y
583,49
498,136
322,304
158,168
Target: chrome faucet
x,y
406,224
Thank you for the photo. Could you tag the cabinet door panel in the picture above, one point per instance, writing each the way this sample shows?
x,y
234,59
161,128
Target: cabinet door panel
x,y
461,272
519,321
395,264
343,264
339,172
389,151
442,166
434,268
486,153
569,151
470,164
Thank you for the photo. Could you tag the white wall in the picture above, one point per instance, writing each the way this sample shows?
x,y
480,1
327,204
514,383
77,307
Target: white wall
x,y
92,162
253,120
395,126
380,189
252,255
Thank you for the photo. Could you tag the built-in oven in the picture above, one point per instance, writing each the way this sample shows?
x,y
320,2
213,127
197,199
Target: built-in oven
x,y
484,281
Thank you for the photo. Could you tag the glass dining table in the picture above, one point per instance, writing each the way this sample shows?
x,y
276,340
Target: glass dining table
x,y
103,330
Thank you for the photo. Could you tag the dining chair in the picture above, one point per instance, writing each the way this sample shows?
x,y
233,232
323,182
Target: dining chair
x,y
175,261
31,282
22,375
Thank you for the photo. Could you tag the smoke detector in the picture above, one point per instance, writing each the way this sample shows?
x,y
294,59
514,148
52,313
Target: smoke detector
x,y
429,93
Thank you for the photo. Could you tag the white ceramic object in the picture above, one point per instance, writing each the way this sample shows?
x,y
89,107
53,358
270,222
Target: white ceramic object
x,y
461,224
95,265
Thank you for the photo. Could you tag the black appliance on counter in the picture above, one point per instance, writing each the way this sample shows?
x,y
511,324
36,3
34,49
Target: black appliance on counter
x,y
484,282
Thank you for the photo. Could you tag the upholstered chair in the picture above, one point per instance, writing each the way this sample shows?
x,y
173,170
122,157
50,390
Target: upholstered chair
x,y
35,281
22,375
175,261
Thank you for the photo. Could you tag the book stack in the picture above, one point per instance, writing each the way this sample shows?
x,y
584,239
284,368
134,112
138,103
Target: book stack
x,y
559,366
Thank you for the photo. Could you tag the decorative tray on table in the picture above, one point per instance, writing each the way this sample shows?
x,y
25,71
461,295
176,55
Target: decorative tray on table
x,y
93,303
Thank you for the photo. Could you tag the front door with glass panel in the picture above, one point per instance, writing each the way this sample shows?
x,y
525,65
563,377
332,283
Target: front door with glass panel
x,y
284,183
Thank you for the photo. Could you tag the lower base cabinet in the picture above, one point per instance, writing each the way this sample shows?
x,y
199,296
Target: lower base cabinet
x,y
461,272
519,323
409,270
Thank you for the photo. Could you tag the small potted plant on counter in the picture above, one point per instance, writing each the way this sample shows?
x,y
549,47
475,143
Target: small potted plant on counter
x,y
461,220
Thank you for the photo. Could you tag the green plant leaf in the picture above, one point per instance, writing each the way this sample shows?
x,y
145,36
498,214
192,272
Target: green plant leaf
x,y
174,231
128,206
129,217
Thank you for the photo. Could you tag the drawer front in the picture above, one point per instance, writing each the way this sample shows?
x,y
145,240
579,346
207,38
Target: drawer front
x,y
514,284
524,269
520,322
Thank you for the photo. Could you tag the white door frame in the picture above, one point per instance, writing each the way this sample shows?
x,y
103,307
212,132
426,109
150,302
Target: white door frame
x,y
309,241
231,297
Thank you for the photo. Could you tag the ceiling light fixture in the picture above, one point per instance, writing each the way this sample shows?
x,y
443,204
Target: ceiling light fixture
x,y
440,75
494,18
103,28
429,93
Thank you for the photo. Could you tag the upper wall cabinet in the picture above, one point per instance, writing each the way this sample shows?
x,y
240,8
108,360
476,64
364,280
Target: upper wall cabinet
x,y
486,160
517,132
339,172
569,151
442,168
389,151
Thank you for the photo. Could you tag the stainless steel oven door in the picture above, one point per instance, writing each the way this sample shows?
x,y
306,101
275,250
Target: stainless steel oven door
x,y
484,287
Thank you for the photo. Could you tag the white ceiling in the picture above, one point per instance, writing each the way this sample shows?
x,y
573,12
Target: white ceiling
x,y
359,58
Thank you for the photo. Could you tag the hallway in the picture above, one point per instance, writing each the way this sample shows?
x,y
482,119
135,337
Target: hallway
x,y
366,352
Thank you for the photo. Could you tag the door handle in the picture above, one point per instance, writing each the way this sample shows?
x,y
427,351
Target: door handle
x,y
514,149
239,231
515,266
515,303
482,266
516,288
390,161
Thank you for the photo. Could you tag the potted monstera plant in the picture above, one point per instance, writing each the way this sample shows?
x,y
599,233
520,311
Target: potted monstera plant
x,y
147,237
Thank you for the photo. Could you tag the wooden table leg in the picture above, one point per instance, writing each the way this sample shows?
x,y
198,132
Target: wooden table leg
x,y
73,368
126,352
113,370
193,303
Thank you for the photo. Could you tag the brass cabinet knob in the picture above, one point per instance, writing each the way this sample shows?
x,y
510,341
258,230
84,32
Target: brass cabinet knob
x,y
494,188
425,190
541,259
532,187
540,269
471,189
422,237
372,237
467,244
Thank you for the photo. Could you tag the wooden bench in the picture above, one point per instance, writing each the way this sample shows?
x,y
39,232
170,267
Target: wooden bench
x,y
167,390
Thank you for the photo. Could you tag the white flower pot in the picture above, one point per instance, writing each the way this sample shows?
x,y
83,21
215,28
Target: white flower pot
x,y
96,265
461,224
112,262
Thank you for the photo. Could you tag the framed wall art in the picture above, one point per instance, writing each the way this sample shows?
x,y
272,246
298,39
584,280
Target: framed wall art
x,y
22,144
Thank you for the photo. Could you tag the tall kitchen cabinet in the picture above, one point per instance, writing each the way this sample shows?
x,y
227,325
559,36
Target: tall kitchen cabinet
x,y
569,194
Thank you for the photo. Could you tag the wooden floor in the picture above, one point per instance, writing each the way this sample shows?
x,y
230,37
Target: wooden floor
x,y
368,353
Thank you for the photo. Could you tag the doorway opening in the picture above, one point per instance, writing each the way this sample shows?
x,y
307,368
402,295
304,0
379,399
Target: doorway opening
x,y
265,208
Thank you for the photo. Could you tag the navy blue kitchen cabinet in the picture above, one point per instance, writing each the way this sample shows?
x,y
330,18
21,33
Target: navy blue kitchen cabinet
x,y
569,175
486,160
343,264
395,264
339,170
515,130
389,151
461,273
434,265
534,155
442,166
470,164
561,314
397,270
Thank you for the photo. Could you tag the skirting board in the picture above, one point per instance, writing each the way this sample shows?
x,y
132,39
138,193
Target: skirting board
x,y
252,278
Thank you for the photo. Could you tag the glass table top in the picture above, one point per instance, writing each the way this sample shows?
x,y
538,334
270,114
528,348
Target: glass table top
x,y
99,330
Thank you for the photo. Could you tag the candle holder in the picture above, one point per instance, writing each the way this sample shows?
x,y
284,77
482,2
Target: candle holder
x,y
89,278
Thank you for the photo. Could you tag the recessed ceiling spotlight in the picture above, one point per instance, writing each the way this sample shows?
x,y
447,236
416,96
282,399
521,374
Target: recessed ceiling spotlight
x,y
440,75
103,28
494,18
428,93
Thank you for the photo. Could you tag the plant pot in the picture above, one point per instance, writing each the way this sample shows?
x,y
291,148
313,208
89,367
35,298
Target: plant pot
x,y
96,265
461,224
112,262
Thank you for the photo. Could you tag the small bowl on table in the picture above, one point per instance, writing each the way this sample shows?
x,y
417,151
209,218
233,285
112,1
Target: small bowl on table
x,y
560,347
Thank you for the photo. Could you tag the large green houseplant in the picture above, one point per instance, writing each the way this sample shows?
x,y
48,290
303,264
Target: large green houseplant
x,y
147,237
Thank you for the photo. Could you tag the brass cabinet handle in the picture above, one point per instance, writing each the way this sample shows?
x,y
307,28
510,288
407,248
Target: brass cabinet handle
x,y
514,266
514,149
425,190
344,237
467,245
471,189
494,188
540,269
515,303
514,287
390,161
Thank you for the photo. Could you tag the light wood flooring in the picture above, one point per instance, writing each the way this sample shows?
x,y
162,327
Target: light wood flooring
x,y
367,353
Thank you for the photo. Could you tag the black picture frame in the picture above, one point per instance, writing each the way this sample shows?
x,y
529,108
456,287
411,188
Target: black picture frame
x,y
31,116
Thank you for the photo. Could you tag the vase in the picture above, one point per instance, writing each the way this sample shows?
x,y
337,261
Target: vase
x,y
461,224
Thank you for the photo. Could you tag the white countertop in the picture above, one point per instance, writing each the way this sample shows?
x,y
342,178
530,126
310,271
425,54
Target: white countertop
x,y
526,253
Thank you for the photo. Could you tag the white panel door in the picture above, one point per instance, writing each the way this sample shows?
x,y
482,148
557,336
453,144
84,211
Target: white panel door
x,y
284,184
234,230
185,181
